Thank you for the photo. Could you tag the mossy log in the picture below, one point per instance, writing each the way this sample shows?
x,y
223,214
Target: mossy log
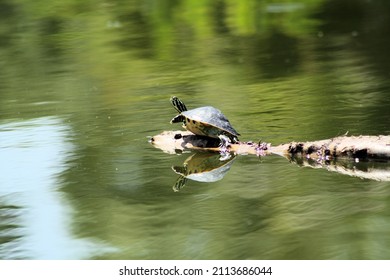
x,y
354,147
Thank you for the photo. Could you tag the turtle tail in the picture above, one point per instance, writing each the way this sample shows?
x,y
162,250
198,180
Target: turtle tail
x,y
178,104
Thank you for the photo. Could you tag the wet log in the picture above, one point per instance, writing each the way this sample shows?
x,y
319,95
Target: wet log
x,y
352,147
176,141
356,147
366,157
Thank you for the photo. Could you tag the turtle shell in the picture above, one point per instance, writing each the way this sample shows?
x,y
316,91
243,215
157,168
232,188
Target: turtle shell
x,y
208,121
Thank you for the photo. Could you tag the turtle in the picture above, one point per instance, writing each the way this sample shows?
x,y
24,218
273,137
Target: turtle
x,y
202,167
205,121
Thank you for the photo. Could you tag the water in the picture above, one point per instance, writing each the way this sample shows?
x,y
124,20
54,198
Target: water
x,y
82,87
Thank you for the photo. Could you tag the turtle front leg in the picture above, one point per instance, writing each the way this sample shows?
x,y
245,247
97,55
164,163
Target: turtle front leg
x,y
224,145
177,119
180,183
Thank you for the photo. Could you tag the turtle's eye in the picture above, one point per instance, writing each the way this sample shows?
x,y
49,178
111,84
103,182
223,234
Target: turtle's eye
x,y
194,122
188,120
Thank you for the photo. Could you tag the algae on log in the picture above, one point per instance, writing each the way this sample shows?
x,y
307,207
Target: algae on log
x,y
356,147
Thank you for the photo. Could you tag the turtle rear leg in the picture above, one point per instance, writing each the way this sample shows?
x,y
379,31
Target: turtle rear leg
x,y
178,104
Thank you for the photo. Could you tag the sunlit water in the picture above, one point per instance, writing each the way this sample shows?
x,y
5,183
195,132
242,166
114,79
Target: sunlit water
x,y
80,94
36,216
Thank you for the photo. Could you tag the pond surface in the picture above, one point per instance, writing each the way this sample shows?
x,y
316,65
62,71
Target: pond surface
x,y
83,86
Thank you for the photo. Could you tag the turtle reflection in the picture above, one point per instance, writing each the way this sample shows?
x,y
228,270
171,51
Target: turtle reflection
x,y
202,167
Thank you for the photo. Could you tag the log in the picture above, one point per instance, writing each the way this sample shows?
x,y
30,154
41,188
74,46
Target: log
x,y
173,141
366,157
354,147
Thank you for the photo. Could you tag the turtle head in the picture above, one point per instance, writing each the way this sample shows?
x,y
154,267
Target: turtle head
x,y
178,104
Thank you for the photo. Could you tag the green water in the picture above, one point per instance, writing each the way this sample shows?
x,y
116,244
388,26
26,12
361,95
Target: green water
x,y
83,85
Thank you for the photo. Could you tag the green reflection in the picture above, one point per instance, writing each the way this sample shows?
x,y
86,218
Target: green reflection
x,y
281,71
